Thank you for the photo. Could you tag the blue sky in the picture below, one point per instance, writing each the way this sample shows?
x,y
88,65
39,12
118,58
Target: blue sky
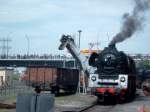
x,y
44,21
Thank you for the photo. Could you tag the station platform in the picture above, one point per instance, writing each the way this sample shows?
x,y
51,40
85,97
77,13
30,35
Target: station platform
x,y
74,102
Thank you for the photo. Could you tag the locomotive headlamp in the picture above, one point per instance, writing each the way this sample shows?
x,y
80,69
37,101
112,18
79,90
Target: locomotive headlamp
x,y
122,79
93,78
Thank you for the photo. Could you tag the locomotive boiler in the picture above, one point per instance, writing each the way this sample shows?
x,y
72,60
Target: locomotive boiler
x,y
115,74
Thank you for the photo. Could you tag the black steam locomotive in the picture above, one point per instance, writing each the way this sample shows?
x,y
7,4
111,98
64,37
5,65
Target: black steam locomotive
x,y
115,74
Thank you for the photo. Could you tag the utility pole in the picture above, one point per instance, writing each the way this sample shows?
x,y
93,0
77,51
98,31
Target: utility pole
x,y
79,83
79,36
28,41
82,85
5,47
8,47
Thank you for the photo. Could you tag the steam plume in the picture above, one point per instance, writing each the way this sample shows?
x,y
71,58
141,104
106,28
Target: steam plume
x,y
133,22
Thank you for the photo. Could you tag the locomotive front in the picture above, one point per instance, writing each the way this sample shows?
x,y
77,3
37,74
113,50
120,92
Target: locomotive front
x,y
114,75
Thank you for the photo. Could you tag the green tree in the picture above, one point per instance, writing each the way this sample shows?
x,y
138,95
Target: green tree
x,y
15,76
143,64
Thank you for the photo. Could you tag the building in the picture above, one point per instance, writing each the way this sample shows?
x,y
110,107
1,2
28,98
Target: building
x,y
6,76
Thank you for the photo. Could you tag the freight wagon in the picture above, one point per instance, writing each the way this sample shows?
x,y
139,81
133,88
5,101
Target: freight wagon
x,y
53,79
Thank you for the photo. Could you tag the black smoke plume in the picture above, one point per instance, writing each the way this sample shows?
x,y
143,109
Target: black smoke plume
x,y
133,22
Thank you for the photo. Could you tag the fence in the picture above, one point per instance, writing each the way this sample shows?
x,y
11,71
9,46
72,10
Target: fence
x,y
14,89
34,56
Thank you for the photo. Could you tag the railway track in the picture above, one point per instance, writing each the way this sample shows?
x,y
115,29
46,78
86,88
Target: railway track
x,y
94,108
98,108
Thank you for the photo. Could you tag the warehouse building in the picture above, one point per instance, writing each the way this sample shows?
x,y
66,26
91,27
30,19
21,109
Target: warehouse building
x,y
6,76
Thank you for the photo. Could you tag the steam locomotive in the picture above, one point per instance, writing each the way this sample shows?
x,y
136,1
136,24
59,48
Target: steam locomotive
x,y
115,75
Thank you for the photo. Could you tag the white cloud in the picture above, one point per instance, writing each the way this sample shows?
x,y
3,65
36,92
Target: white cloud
x,y
30,10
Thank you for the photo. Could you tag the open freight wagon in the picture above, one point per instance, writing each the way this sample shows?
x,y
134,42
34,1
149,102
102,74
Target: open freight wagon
x,y
54,79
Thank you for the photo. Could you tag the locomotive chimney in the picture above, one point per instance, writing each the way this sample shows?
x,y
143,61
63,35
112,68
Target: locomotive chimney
x,y
112,46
